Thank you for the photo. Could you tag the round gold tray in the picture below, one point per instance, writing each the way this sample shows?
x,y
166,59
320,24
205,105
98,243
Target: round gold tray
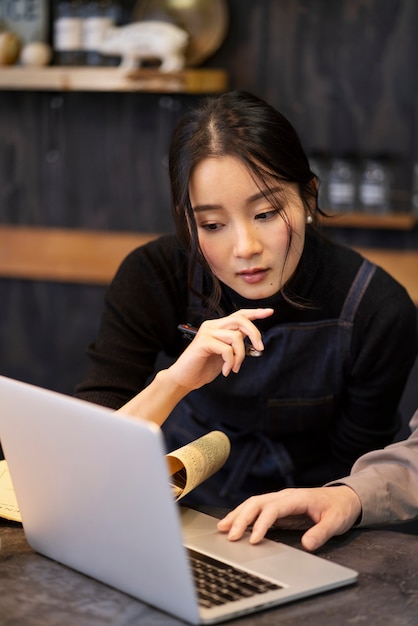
x,y
206,21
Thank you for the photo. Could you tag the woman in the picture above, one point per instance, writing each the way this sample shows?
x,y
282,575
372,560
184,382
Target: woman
x,y
338,334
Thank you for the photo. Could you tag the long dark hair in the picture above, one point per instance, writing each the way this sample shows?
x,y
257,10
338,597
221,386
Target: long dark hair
x,y
241,125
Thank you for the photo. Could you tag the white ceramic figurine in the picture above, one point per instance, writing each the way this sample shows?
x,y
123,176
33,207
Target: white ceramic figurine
x,y
147,40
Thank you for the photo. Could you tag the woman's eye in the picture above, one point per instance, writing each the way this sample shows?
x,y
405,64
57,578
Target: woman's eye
x,y
267,215
211,226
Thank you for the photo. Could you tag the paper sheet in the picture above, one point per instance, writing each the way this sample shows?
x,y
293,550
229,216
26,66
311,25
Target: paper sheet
x,y
192,464
9,507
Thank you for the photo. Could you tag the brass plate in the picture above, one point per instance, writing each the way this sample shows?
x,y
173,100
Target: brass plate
x,y
206,21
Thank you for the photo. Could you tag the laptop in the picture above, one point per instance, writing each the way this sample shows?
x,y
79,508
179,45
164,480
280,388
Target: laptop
x,y
94,494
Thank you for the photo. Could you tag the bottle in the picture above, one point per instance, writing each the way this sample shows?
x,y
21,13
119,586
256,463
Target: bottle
x,y
341,185
98,16
113,11
67,33
374,187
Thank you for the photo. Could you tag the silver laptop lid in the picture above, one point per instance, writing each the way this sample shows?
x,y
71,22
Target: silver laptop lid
x,y
94,494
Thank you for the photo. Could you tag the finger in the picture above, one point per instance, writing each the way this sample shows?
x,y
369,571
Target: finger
x,y
287,512
232,356
225,523
316,536
262,518
241,321
226,343
227,366
238,349
262,524
333,522
259,313
264,511
238,520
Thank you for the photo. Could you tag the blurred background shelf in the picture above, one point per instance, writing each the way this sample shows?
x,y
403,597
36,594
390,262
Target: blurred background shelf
x,y
389,221
65,255
112,79
84,256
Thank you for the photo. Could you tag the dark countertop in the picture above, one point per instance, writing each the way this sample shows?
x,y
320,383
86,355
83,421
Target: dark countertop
x,y
35,591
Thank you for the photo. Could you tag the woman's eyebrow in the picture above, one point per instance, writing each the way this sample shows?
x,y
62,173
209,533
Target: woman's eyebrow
x,y
201,208
264,193
206,207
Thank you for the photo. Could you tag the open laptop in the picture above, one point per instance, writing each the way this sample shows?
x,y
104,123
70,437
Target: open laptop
x,y
94,494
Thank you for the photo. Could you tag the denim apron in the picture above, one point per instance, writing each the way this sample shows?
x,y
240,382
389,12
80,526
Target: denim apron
x,y
279,409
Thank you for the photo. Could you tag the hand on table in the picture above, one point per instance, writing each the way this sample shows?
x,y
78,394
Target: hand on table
x,y
332,511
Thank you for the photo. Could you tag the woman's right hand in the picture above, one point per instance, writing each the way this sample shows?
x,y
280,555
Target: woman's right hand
x,y
218,347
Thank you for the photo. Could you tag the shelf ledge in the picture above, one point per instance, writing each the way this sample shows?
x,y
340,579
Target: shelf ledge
x,y
191,81
65,255
92,257
389,221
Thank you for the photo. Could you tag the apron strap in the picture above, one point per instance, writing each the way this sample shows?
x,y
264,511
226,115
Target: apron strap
x,y
357,290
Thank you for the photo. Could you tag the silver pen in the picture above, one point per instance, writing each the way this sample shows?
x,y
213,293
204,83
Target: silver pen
x,y
190,331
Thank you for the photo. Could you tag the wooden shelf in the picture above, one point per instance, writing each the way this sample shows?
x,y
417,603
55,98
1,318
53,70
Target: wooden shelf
x,y
112,79
65,255
390,221
92,257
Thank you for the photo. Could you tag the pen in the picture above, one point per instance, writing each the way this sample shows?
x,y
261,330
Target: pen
x,y
190,331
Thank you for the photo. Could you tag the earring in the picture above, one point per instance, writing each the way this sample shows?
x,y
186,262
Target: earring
x,y
309,219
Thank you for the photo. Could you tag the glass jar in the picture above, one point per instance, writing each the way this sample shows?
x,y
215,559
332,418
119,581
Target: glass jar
x,y
67,35
374,187
98,17
341,185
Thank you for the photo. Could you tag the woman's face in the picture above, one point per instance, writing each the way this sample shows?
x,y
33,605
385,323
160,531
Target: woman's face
x,y
243,237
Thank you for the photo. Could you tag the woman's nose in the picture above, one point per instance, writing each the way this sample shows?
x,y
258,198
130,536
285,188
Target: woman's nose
x,y
247,242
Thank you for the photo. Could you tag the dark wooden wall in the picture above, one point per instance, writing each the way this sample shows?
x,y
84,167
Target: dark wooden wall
x,y
93,160
343,71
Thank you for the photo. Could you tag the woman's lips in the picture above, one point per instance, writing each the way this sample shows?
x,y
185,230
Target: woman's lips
x,y
253,276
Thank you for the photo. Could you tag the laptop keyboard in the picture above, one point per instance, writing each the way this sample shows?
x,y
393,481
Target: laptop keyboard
x,y
218,583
